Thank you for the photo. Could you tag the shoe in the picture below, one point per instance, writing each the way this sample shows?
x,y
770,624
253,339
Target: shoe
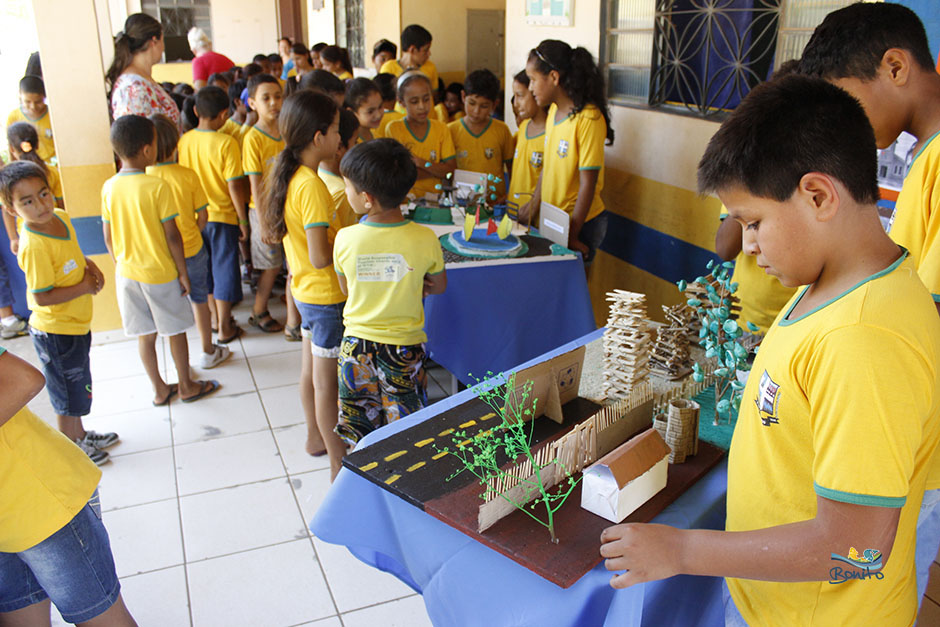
x,y
101,440
14,329
96,455
208,361
292,334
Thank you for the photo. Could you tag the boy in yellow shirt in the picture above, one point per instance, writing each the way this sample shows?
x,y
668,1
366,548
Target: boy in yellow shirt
x,y
483,144
216,159
820,528
329,172
137,215
60,282
387,87
52,542
879,54
415,55
386,265
260,149
33,109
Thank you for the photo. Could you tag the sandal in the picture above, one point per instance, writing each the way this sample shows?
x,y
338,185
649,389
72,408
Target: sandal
x,y
265,322
292,334
205,389
232,318
231,338
174,389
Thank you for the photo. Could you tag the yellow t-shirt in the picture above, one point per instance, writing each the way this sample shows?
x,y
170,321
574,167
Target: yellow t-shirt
x,y
440,111
45,480
344,215
259,152
308,206
188,199
762,295
571,145
234,129
344,76
436,146
384,266
50,262
43,125
395,67
387,118
136,205
526,165
487,152
216,159
841,403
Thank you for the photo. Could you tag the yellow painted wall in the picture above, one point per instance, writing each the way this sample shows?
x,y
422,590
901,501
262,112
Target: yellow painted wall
x,y
383,21
243,28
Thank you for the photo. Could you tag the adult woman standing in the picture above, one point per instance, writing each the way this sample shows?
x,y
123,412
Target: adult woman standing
x,y
133,91
206,62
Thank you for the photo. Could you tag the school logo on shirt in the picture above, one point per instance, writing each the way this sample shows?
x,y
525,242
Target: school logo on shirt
x,y
864,566
48,133
463,154
433,155
69,266
536,160
768,398
563,148
488,152
390,268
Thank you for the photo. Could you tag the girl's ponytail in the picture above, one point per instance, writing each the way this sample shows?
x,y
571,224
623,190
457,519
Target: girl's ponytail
x,y
22,137
584,84
273,227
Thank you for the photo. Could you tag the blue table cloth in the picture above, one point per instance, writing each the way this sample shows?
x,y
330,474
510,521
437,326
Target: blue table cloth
x,y
493,318
466,583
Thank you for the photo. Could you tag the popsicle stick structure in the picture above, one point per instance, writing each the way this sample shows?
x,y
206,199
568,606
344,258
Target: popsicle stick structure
x,y
679,429
626,344
669,356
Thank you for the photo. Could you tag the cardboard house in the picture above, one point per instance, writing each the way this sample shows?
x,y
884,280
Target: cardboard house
x,y
618,483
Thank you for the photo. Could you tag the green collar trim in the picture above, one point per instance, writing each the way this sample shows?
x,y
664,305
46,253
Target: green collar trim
x,y
924,147
26,115
277,139
785,321
322,170
165,163
426,132
125,173
527,136
65,239
466,128
384,225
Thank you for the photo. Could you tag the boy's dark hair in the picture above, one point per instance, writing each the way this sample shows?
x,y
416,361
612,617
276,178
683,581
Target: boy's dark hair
x,y
259,59
786,128
323,82
851,42
299,48
184,88
167,86
168,136
456,88
15,172
482,83
252,69
259,79
30,84
381,167
275,58
130,133
219,77
384,45
357,90
386,84
414,35
179,99
235,93
348,125
210,102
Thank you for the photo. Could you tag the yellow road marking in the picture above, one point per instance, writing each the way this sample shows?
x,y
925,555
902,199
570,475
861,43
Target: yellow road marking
x,y
424,442
368,466
415,466
395,455
392,479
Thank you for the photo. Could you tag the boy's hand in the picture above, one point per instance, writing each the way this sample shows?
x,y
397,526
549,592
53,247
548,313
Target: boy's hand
x,y
647,552
184,285
15,245
244,232
579,247
90,282
91,266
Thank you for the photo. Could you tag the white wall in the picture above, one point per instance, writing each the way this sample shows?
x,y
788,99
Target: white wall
x,y
243,28
321,25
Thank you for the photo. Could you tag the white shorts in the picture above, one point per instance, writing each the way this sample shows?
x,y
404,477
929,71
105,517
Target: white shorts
x,y
153,308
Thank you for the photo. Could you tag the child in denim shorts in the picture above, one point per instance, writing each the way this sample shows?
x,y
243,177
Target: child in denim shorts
x,y
60,282
53,544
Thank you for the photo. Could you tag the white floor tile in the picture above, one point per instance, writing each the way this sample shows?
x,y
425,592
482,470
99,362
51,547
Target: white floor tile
x,y
233,375
138,478
310,488
282,405
255,343
114,396
226,462
145,537
140,430
408,612
292,441
236,519
278,585
332,621
119,360
355,585
157,598
217,416
275,370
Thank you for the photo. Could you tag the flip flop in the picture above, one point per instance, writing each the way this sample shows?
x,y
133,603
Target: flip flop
x,y
174,389
216,330
213,385
318,453
233,337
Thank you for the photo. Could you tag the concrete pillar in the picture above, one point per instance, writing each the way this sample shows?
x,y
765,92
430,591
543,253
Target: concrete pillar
x,y
71,38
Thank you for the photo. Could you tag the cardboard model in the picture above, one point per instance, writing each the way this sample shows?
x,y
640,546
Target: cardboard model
x,y
626,478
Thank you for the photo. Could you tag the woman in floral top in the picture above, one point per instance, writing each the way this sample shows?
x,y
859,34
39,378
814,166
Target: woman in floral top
x,y
133,91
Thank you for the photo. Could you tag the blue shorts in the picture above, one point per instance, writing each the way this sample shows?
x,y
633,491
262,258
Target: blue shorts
x,y
197,267
65,364
928,539
73,567
323,325
221,242
6,292
592,235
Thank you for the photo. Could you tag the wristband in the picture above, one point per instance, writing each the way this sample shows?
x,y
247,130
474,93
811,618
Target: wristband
x,y
243,223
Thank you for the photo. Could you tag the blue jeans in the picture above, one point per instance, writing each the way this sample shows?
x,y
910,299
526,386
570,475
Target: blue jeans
x,y
733,617
928,539
6,292
67,368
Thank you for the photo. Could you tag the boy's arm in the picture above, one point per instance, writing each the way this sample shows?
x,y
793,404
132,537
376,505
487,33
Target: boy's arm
x,y
57,295
728,239
175,241
9,223
435,170
202,217
795,552
342,283
106,230
588,183
19,383
236,190
435,283
319,249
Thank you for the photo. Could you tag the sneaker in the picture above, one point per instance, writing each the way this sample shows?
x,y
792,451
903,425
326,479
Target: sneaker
x,y
15,329
208,361
98,456
101,440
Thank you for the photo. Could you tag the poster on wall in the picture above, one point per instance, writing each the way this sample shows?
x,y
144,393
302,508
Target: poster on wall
x,y
549,12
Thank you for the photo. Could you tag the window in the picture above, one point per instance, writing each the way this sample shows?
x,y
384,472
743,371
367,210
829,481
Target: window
x,y
349,26
177,17
703,55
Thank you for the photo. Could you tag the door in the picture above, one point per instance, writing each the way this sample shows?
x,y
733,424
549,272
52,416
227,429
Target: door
x,y
486,40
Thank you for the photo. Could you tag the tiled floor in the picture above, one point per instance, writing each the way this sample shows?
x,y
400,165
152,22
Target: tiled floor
x,y
207,504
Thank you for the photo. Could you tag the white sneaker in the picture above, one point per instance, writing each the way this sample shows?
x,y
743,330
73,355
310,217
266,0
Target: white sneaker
x,y
15,329
207,361
97,455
